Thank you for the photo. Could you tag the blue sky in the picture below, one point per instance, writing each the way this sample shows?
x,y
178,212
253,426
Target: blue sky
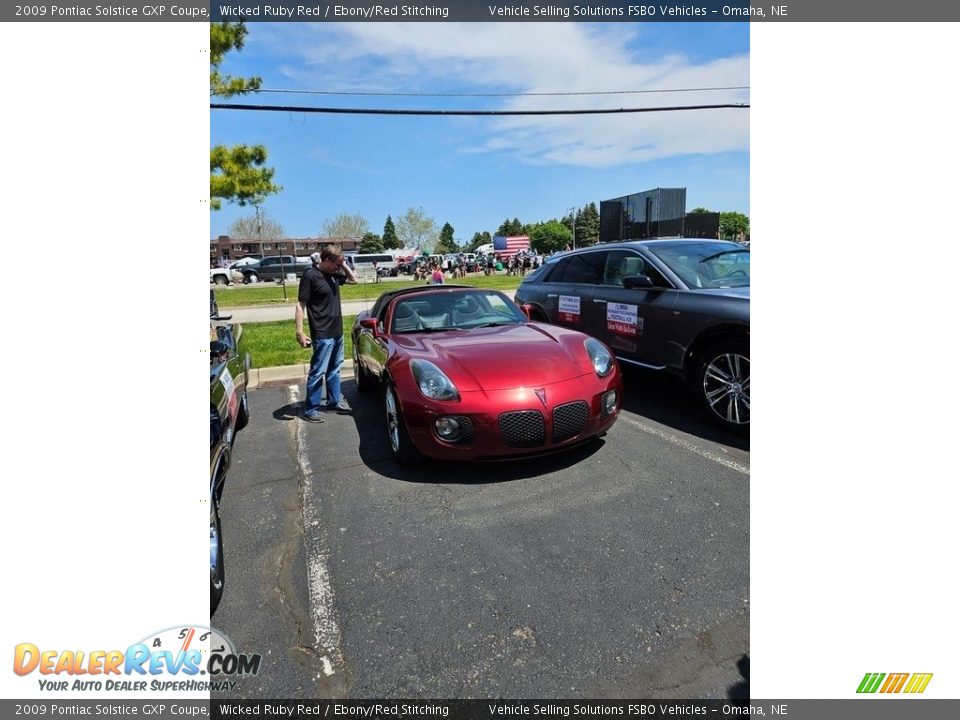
x,y
474,172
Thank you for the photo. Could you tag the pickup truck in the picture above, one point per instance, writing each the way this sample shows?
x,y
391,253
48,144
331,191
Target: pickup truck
x,y
221,276
275,267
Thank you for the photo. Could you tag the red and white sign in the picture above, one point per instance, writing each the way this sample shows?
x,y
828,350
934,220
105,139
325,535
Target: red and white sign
x,y
622,319
569,309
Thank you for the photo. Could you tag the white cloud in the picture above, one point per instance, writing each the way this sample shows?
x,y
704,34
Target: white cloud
x,y
536,58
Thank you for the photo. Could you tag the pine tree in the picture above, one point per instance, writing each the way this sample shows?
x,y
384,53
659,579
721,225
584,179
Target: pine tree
x,y
390,239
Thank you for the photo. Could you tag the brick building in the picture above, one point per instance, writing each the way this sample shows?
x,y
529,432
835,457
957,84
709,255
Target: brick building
x,y
229,248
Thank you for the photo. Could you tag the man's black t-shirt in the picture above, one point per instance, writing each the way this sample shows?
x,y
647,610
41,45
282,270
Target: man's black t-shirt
x,y
320,294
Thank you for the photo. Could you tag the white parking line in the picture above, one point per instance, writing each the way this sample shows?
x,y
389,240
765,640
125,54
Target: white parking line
x,y
326,630
687,445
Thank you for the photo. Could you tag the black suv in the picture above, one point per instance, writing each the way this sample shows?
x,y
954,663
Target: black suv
x,y
678,305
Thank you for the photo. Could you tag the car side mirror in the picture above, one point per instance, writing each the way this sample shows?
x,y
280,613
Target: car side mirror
x,y
632,282
527,310
371,325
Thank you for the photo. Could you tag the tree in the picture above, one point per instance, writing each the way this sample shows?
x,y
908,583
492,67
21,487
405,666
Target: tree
x,y
446,244
510,228
479,238
371,243
390,239
732,224
417,230
588,225
345,225
246,228
237,174
700,211
550,236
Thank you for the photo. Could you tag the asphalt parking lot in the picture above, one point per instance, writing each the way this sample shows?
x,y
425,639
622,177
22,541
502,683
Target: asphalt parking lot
x,y
618,569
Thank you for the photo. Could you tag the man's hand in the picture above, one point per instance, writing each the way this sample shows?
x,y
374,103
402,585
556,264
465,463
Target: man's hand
x,y
302,339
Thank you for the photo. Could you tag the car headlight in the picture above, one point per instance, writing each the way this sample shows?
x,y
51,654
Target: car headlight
x,y
600,357
432,382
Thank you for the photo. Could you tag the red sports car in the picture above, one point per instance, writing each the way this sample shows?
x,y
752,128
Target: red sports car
x,y
466,376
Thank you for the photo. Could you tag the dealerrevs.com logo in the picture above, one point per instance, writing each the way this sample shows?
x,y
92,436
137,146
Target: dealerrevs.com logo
x,y
183,659
894,682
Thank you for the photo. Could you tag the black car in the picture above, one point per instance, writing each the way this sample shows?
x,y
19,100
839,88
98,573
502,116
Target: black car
x,y
229,413
677,305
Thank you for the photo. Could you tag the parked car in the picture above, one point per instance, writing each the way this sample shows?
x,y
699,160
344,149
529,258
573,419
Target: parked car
x,y
221,276
275,267
466,376
363,264
679,305
229,413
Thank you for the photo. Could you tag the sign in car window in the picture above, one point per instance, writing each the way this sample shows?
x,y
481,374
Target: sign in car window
x,y
622,319
569,309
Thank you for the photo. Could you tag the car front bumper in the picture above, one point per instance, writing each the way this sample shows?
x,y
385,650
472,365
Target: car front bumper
x,y
513,423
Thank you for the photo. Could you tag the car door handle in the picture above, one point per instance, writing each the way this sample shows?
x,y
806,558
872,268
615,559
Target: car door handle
x,y
598,300
551,295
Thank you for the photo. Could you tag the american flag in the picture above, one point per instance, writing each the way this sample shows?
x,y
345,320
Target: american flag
x,y
510,245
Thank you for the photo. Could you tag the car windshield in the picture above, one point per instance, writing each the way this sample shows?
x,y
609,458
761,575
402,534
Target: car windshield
x,y
453,311
706,264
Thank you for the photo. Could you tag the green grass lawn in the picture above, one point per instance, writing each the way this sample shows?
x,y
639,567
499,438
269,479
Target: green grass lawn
x,y
273,344
268,293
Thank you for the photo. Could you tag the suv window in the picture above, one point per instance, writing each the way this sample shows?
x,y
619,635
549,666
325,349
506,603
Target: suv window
x,y
581,268
623,263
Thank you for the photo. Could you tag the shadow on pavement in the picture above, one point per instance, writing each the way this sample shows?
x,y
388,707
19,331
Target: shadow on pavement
x,y
665,399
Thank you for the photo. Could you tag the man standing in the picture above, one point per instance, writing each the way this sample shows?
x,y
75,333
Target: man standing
x,y
319,298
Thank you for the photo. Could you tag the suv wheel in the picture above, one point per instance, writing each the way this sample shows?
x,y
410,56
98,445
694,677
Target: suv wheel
x,y
723,384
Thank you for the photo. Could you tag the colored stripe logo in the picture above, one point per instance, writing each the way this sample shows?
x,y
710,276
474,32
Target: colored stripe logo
x,y
894,682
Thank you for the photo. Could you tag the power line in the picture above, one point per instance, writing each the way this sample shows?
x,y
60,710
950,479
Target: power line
x,y
373,111
360,93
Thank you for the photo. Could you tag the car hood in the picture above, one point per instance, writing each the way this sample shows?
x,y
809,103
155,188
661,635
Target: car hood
x,y
501,357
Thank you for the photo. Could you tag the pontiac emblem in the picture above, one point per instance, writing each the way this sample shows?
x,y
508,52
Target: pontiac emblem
x,y
542,394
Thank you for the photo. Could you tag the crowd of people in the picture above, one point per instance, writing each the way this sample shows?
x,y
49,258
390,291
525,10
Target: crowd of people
x,y
433,271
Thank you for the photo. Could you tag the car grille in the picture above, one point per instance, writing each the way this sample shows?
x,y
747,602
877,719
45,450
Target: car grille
x,y
524,429
569,420
466,429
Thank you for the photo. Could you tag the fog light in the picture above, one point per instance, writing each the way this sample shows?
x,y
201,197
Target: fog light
x,y
608,403
448,428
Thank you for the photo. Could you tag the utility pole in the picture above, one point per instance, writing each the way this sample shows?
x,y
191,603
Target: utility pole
x,y
283,275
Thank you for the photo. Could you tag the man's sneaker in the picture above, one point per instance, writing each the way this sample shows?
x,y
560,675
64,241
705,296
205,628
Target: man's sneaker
x,y
313,416
342,407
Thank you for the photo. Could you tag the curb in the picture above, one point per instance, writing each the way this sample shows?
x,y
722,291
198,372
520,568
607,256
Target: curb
x,y
289,373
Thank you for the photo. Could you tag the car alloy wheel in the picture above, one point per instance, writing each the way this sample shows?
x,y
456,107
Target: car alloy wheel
x,y
725,384
393,421
401,448
217,575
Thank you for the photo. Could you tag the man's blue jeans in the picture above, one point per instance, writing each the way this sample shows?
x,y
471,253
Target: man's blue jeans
x,y
324,365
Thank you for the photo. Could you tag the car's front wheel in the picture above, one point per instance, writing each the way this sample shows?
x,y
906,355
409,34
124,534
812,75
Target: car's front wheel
x,y
217,574
723,383
401,447
253,277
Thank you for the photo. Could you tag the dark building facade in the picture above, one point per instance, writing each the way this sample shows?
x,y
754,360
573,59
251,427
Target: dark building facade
x,y
661,212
